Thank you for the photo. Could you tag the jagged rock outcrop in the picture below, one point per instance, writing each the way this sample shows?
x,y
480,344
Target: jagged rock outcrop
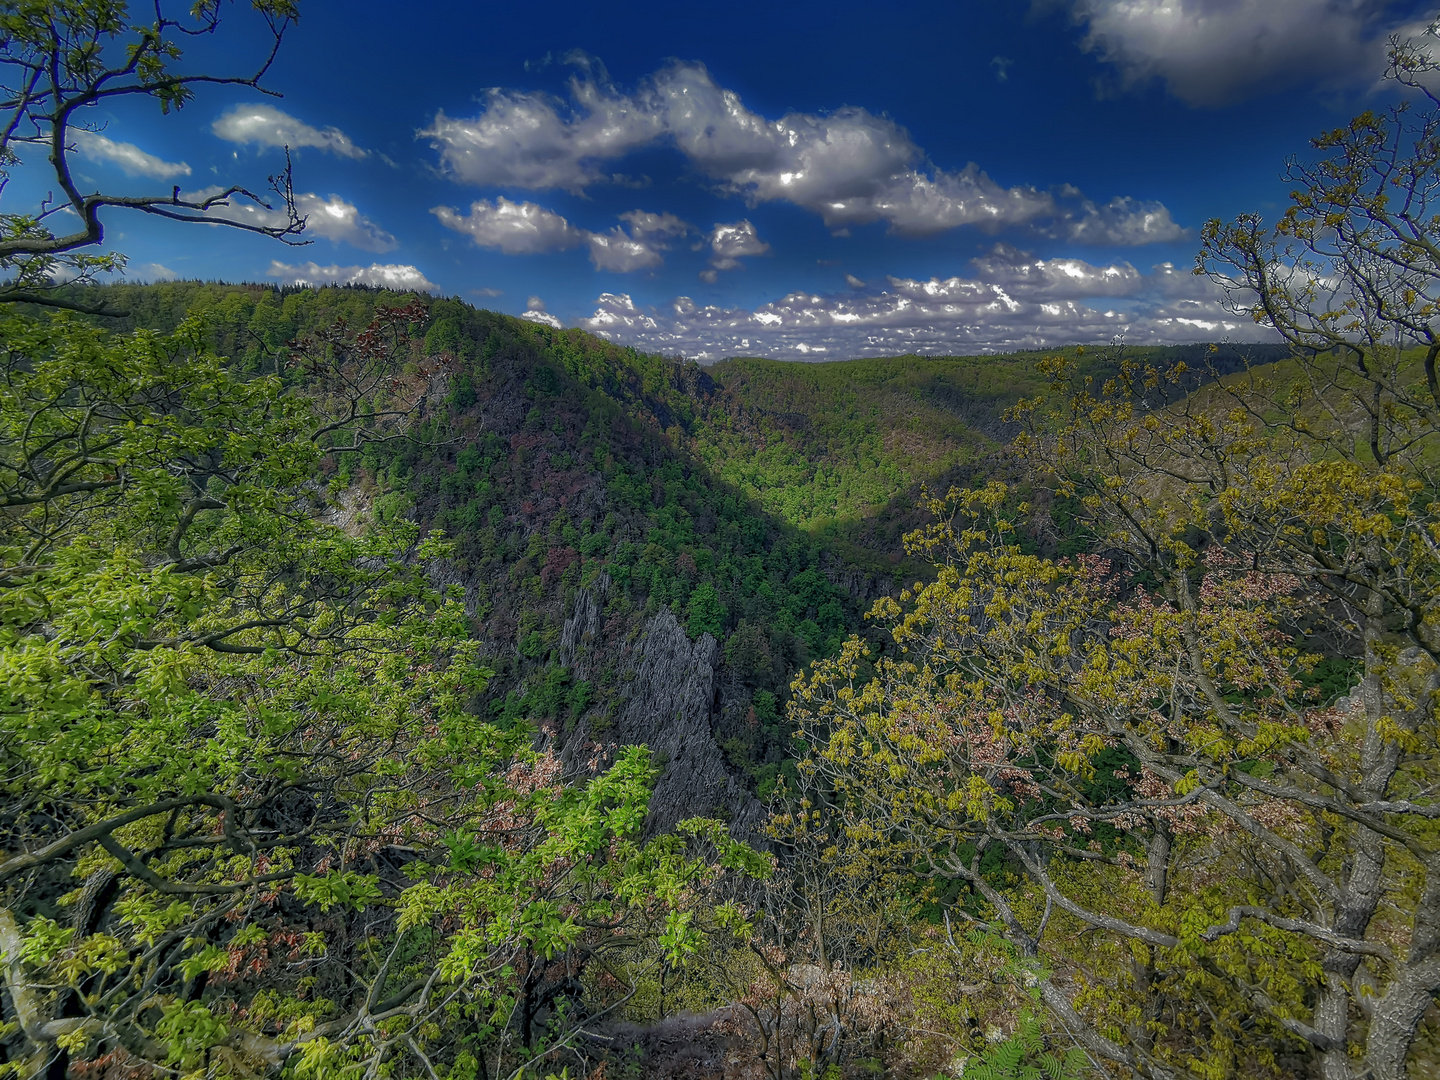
x,y
445,573
667,690
350,509
580,638
863,588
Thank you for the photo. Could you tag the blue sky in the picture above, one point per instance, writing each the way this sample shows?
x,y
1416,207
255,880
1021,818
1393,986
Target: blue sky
x,y
794,180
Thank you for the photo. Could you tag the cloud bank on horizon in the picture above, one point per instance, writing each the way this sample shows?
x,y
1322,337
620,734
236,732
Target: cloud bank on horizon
x,y
1011,301
380,275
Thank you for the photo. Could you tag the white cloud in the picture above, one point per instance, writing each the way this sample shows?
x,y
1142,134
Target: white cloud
x,y
530,229
1008,268
1212,52
1123,222
728,244
618,312
850,166
155,272
536,141
130,158
621,254
514,228
336,219
268,126
396,276
333,218
535,312
641,247
1010,301
646,225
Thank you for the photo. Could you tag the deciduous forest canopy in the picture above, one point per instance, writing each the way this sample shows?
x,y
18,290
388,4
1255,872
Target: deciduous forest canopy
x,y
391,688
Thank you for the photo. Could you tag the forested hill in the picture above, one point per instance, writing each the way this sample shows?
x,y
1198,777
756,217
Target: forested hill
x,y
624,592
648,549
816,443
842,449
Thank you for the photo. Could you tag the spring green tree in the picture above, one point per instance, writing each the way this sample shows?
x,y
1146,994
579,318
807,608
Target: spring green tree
x,y
1197,776
251,821
705,614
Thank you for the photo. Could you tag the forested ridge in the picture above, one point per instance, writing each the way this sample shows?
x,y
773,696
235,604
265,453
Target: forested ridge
x,y
550,459
395,689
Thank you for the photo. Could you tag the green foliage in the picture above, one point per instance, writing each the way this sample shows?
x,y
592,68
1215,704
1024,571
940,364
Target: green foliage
x,y
338,888
705,615
822,442
1087,747
251,731
453,843
1024,1056
188,1030
670,533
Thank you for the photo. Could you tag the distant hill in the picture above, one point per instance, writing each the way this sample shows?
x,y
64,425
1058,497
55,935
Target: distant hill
x,y
833,442
833,445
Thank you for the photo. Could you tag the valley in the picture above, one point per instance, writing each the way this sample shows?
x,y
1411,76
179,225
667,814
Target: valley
x,y
1046,684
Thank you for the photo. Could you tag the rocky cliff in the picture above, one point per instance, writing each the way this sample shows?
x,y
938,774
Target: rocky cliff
x,y
666,696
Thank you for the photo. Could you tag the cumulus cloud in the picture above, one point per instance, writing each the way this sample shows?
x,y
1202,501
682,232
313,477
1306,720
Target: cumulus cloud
x,y
538,142
386,275
527,228
1213,52
849,166
638,249
1005,267
1010,300
336,219
130,158
657,227
333,218
730,243
1122,222
535,312
622,254
617,311
268,126
514,228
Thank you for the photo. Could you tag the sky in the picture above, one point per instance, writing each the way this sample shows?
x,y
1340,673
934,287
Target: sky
x,y
796,180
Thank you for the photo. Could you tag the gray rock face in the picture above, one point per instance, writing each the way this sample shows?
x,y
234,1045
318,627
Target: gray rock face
x,y
863,588
667,685
580,639
444,573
